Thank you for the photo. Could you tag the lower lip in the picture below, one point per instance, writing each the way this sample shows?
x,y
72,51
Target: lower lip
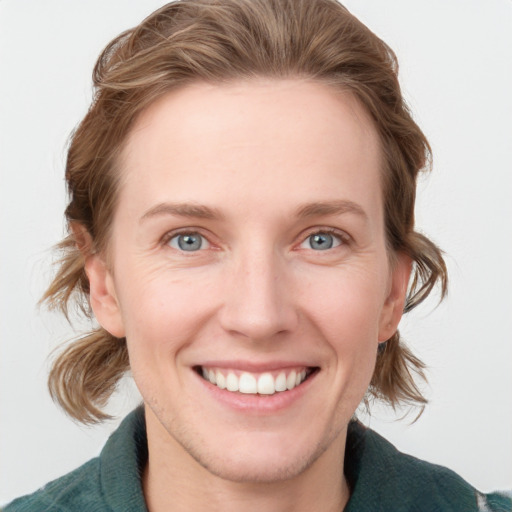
x,y
258,404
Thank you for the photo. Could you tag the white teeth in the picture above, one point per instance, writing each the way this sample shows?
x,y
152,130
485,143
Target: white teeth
x,y
220,380
248,383
266,384
232,382
281,382
290,381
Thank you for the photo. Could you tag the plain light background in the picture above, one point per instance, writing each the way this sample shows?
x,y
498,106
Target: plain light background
x,y
455,57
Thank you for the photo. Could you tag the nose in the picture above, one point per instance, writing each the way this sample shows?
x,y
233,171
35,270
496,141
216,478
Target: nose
x,y
258,303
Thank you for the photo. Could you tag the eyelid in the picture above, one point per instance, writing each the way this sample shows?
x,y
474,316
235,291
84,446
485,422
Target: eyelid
x,y
344,237
167,237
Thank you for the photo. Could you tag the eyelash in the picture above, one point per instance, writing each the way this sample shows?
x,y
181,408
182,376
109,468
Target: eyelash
x,y
167,238
342,237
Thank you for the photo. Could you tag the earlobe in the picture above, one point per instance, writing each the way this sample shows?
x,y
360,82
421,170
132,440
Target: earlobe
x,y
395,301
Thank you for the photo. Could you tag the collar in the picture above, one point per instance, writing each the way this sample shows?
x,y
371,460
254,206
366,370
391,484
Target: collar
x,y
379,476
382,478
122,462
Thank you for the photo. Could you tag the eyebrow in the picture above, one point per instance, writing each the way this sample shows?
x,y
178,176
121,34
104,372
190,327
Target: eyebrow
x,y
304,211
191,210
337,207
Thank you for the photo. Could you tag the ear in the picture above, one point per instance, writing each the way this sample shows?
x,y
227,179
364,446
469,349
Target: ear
x,y
394,305
103,297
102,293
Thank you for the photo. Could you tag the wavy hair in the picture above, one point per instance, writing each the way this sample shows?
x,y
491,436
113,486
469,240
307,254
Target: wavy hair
x,y
217,41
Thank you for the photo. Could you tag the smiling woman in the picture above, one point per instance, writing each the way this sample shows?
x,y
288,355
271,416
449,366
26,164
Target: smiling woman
x,y
255,301
241,226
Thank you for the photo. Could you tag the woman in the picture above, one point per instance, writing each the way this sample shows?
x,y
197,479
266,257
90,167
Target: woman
x,y
241,223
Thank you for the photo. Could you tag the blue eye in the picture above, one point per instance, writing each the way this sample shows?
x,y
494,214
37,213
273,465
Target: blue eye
x,y
189,242
321,241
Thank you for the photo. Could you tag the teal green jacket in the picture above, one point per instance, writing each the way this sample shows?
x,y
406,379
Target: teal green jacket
x,y
380,477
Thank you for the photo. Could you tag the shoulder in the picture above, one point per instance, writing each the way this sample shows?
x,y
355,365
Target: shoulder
x,y
495,502
78,490
109,482
383,478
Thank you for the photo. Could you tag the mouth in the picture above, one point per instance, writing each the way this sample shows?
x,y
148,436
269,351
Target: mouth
x,y
249,383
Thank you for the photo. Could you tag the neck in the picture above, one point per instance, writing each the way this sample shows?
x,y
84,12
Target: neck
x,y
173,480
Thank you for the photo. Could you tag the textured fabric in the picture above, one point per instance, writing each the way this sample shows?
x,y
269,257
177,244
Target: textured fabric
x,y
110,482
383,479
380,477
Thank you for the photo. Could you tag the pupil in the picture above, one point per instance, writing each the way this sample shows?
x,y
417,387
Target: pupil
x,y
321,241
189,242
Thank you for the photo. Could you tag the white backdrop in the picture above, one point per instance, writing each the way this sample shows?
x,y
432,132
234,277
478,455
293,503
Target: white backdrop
x,y
456,58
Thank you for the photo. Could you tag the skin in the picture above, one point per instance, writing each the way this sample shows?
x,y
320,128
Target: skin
x,y
274,162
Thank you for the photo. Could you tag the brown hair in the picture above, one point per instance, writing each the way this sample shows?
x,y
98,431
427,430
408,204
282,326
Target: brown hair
x,y
216,41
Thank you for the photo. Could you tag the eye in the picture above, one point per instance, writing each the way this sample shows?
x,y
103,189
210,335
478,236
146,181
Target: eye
x,y
321,241
188,242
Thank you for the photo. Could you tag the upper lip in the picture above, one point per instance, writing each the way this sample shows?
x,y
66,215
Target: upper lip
x,y
254,366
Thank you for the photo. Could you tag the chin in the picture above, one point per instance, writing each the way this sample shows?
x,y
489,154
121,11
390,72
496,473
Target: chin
x,y
265,471
261,462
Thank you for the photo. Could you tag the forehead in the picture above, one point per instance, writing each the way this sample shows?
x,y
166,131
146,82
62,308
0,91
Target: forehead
x,y
277,140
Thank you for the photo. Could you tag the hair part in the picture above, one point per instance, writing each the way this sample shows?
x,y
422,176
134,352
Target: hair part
x,y
220,41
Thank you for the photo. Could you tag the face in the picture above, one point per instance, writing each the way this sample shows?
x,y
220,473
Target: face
x,y
249,273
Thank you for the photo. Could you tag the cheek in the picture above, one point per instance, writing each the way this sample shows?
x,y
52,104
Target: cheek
x,y
346,312
161,319
346,304
163,311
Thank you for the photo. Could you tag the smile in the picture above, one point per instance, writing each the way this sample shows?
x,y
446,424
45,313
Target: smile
x,y
266,383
